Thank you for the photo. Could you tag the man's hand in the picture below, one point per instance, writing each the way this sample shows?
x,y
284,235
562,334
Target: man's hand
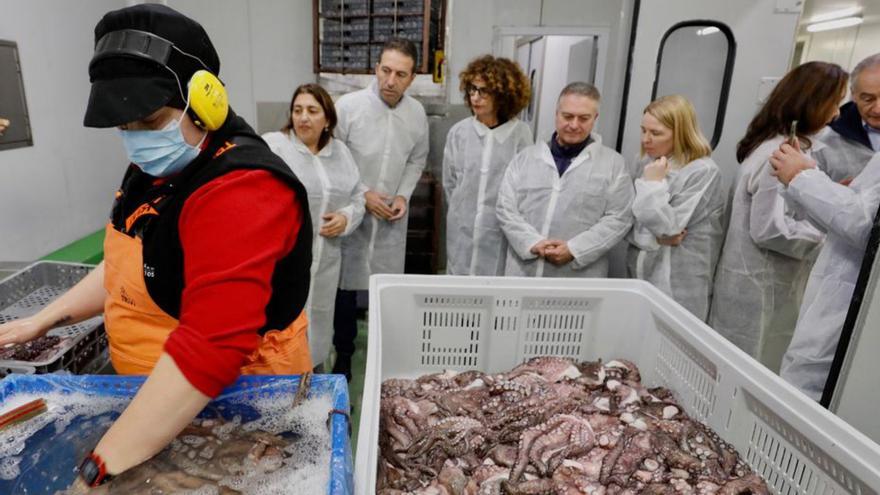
x,y
334,224
557,252
539,248
672,240
20,331
788,161
377,204
398,208
656,170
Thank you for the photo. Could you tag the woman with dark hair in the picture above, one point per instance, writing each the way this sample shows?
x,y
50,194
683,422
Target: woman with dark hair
x,y
769,250
475,158
336,200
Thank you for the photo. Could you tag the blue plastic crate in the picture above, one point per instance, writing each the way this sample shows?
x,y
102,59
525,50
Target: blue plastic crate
x,y
34,476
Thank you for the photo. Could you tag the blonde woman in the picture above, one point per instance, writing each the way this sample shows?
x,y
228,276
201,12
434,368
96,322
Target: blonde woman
x,y
678,207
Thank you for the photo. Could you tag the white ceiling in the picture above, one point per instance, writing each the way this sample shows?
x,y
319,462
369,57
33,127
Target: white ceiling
x,y
870,8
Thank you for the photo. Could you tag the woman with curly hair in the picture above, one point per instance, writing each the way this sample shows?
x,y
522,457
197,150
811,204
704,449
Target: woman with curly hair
x,y
475,158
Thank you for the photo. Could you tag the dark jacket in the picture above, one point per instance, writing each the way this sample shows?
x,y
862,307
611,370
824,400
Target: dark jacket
x,y
849,125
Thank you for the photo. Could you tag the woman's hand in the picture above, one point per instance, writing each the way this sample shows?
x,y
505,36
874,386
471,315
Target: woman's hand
x,y
21,331
672,240
656,170
334,224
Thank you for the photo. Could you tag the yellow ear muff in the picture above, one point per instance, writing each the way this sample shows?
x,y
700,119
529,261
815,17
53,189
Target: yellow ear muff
x,y
208,100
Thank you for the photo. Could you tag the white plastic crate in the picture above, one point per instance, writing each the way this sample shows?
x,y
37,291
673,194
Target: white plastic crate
x,y
426,324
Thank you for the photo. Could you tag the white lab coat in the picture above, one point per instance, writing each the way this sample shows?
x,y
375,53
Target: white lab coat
x,y
332,181
390,146
589,207
764,265
474,161
690,197
847,215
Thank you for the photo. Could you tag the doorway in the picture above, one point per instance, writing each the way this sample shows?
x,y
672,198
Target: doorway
x,y
552,58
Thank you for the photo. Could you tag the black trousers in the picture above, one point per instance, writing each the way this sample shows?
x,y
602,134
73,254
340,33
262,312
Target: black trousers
x,y
345,322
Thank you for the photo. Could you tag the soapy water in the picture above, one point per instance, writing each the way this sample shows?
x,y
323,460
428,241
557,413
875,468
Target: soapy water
x,y
43,451
40,455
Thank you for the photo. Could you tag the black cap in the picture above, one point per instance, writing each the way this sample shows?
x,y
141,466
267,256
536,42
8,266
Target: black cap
x,y
127,88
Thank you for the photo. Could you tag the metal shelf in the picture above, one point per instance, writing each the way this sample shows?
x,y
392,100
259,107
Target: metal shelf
x,y
432,15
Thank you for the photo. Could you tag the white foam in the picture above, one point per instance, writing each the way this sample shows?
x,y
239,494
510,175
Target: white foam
x,y
61,410
307,458
308,466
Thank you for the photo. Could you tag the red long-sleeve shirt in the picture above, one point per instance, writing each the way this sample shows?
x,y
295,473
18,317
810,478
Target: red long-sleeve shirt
x,y
233,230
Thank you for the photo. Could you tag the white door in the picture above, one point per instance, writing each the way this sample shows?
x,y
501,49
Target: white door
x,y
530,56
764,33
566,59
552,57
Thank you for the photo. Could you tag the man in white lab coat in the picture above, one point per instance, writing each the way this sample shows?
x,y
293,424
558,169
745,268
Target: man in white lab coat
x,y
565,203
387,133
847,214
853,138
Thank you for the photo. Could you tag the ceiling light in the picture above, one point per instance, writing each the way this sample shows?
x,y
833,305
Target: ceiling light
x,y
836,14
835,24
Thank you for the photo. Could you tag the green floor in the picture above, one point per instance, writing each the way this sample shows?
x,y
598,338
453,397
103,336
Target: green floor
x,y
89,249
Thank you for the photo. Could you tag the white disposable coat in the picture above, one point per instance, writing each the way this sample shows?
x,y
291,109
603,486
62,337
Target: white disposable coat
x,y
390,146
846,214
589,207
690,197
841,158
474,160
764,265
332,181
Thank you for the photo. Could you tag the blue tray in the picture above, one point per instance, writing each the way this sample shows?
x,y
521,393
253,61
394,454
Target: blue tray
x,y
36,478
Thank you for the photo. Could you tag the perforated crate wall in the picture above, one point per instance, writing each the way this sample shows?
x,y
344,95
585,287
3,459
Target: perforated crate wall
x,y
425,324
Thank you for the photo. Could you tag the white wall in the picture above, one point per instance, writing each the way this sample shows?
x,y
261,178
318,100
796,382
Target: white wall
x,y
265,47
845,47
471,34
61,188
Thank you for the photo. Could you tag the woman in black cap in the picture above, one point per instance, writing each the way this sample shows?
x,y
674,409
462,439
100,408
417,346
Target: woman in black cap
x,y
208,249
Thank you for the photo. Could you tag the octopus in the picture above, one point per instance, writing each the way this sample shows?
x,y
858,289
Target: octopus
x,y
456,435
207,451
36,350
551,369
549,426
547,445
202,457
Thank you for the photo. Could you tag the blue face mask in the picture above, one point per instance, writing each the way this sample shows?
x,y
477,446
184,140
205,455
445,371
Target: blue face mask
x,y
159,153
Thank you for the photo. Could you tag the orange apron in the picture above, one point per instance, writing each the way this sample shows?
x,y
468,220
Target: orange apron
x,y
137,328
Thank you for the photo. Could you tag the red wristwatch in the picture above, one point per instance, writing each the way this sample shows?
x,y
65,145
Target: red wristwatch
x,y
93,471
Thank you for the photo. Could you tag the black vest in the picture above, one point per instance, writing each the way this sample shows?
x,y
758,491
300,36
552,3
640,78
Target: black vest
x,y
234,146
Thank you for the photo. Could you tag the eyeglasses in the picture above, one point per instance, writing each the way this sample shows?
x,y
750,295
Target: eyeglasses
x,y
477,90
